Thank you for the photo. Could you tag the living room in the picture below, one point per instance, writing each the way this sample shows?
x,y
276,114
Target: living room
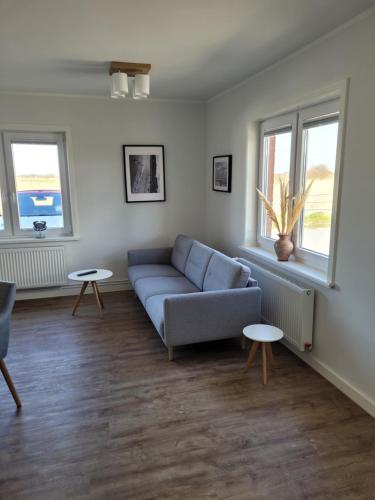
x,y
152,394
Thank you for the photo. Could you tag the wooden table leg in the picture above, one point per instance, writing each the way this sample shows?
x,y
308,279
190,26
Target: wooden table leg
x,y
253,351
269,352
9,382
264,362
97,296
84,286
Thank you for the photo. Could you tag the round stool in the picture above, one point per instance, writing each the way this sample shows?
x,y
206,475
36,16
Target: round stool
x,y
262,335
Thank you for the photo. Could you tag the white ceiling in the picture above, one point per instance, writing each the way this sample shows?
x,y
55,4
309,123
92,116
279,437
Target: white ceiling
x,y
197,48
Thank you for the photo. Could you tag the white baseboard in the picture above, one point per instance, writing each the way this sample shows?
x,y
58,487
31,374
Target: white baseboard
x,y
43,293
342,384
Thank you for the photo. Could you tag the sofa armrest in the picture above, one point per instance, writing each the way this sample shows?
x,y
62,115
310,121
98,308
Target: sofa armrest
x,y
149,256
203,316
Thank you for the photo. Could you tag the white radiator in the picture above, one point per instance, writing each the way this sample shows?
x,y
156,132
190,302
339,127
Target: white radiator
x,y
33,267
286,305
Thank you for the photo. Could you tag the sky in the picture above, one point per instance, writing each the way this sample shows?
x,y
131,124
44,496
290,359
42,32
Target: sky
x,y
321,148
35,159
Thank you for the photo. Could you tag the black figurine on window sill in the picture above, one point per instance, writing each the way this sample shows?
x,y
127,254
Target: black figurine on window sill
x,y
39,227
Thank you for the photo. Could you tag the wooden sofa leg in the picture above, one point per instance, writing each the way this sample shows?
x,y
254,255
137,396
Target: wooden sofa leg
x,y
9,382
170,352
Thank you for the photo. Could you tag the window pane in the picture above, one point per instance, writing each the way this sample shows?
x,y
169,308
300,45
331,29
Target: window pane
x,y
38,184
277,151
1,214
320,143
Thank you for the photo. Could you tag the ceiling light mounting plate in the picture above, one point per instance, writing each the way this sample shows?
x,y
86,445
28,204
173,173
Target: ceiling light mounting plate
x,y
131,69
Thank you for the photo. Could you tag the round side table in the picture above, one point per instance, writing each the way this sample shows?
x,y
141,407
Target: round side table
x,y
100,274
262,335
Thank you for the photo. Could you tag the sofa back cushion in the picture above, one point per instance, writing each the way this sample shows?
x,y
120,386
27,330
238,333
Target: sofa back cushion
x,y
181,251
251,282
197,262
223,273
244,262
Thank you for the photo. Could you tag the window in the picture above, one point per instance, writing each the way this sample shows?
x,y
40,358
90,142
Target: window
x,y
34,184
302,147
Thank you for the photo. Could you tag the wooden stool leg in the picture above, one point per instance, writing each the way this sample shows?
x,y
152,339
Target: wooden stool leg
x,y
96,292
264,362
84,286
269,352
251,357
9,382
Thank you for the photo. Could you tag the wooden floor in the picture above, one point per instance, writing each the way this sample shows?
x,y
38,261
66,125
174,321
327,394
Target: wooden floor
x,y
106,415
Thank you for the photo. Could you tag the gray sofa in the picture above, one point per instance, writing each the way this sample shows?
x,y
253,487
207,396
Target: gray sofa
x,y
192,293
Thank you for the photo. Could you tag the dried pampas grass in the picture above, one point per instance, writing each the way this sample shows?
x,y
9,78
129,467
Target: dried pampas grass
x,y
290,208
269,209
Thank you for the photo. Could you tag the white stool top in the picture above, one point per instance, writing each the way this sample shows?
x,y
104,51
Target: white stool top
x,y
101,274
263,333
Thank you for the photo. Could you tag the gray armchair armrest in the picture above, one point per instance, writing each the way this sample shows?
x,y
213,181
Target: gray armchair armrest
x,y
203,316
149,256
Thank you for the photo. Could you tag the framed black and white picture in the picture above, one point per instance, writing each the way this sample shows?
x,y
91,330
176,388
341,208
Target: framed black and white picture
x,y
144,173
222,173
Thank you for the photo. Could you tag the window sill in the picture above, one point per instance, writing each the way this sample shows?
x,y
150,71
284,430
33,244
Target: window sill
x,y
291,268
37,241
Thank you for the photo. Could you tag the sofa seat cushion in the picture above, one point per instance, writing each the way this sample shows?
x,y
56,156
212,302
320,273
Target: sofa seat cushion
x,y
181,251
148,287
197,262
150,271
223,273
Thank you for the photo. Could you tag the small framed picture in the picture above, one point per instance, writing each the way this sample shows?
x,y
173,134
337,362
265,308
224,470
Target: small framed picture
x,y
222,173
144,173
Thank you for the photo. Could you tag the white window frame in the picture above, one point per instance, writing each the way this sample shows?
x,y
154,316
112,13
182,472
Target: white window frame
x,y
297,118
12,230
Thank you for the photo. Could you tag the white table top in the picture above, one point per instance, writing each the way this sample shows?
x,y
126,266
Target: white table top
x,y
101,274
263,333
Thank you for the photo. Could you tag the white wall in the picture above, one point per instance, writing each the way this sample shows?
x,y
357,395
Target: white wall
x,y
344,338
108,226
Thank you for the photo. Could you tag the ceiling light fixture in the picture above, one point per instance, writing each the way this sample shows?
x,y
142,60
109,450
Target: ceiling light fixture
x,y
141,88
119,85
120,71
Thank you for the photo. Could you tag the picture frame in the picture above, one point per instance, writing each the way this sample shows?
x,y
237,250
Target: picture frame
x,y
144,170
222,173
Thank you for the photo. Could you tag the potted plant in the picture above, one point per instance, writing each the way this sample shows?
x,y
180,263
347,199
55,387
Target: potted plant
x,y
290,210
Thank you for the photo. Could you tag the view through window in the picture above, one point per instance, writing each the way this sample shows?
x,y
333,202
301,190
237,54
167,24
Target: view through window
x,y
320,144
1,214
38,184
277,147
